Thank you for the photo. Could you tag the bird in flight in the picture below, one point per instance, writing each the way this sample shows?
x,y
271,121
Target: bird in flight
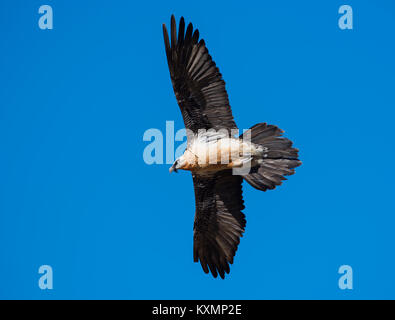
x,y
214,154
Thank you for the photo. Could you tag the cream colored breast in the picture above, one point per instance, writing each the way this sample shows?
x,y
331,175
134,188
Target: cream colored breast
x,y
220,153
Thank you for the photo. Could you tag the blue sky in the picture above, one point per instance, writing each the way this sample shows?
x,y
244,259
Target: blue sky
x,y
76,194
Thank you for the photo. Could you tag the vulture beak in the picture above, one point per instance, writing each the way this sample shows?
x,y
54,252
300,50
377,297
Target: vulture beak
x,y
173,167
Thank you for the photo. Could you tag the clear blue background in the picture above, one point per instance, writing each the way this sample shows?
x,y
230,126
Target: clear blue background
x,y
76,194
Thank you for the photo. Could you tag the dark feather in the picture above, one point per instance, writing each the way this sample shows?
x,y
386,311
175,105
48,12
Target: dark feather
x,y
197,82
278,161
219,221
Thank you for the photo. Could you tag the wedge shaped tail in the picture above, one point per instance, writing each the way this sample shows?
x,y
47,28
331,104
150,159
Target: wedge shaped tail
x,y
279,158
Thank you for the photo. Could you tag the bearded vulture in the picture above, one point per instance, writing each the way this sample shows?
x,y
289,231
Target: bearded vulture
x,y
214,153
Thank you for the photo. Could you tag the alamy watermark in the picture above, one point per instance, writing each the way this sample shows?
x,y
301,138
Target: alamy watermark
x,y
346,279
346,18
220,147
45,282
46,19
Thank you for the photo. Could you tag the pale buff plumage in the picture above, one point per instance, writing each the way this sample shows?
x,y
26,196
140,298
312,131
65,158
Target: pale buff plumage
x,y
226,153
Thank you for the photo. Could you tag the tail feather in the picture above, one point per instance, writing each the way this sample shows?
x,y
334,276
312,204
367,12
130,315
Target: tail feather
x,y
278,160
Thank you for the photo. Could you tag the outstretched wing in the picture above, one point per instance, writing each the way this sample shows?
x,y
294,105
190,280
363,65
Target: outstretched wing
x,y
197,82
219,221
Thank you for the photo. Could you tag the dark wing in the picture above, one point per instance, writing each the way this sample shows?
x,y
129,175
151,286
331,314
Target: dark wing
x,y
197,82
219,222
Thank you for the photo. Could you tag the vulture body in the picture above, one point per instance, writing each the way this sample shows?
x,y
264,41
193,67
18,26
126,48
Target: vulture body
x,y
218,160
